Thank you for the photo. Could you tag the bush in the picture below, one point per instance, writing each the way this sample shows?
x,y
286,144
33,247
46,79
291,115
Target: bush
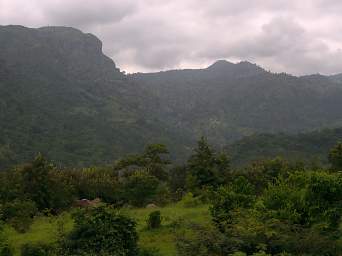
x,y
19,214
45,185
163,195
100,231
201,241
154,220
140,188
149,252
5,250
36,250
189,200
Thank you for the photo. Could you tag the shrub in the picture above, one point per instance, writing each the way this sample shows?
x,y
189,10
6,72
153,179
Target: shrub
x,y
19,214
140,188
335,157
149,252
201,241
154,220
42,183
189,200
5,250
163,195
36,250
101,231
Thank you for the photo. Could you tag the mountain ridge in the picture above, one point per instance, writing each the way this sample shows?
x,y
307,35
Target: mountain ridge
x,y
60,95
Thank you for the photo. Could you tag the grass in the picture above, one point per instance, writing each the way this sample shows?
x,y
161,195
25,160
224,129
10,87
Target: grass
x,y
44,229
163,238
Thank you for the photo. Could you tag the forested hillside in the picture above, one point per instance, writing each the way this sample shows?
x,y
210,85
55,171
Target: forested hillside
x,y
227,101
310,148
60,95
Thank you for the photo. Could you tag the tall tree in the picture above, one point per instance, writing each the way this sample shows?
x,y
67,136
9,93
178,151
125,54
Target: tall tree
x,y
335,157
45,185
153,160
36,182
207,167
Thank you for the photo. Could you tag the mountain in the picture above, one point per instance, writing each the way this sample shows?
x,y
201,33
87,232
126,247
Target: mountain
x,y
337,78
227,101
311,147
60,95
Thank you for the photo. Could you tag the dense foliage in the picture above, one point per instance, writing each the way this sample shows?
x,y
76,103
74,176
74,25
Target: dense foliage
x,y
101,231
154,220
269,207
310,147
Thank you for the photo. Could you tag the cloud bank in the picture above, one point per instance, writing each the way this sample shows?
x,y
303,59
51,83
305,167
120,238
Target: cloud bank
x,y
298,37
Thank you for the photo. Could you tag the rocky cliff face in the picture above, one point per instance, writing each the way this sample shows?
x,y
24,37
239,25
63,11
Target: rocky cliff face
x,y
55,49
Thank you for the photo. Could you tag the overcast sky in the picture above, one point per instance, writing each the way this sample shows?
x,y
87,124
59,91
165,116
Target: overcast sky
x,y
295,36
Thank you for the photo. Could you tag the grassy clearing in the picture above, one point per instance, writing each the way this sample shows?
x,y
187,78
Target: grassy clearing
x,y
44,229
163,238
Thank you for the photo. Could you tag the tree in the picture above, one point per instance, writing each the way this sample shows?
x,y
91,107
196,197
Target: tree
x,y
96,182
153,160
238,194
177,178
5,250
101,231
298,213
155,163
38,249
206,167
261,172
35,182
335,157
19,213
154,220
140,188
44,185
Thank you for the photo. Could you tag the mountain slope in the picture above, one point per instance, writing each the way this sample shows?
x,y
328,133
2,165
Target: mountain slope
x,y
309,147
337,78
60,95
227,101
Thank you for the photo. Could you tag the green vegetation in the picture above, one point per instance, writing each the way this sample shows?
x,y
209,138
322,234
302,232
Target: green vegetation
x,y
46,230
137,207
267,194
335,157
310,147
154,220
100,231
71,103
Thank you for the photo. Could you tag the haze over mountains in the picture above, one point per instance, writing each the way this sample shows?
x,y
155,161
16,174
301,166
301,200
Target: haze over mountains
x,y
60,95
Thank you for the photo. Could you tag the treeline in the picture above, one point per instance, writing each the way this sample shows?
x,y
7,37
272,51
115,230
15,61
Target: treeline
x,y
271,207
310,147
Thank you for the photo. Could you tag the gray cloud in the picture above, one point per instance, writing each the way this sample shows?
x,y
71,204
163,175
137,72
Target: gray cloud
x,y
298,37
84,13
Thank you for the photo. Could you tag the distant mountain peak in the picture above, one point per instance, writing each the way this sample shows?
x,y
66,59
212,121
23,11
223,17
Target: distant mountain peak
x,y
220,64
246,64
63,50
241,69
337,78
